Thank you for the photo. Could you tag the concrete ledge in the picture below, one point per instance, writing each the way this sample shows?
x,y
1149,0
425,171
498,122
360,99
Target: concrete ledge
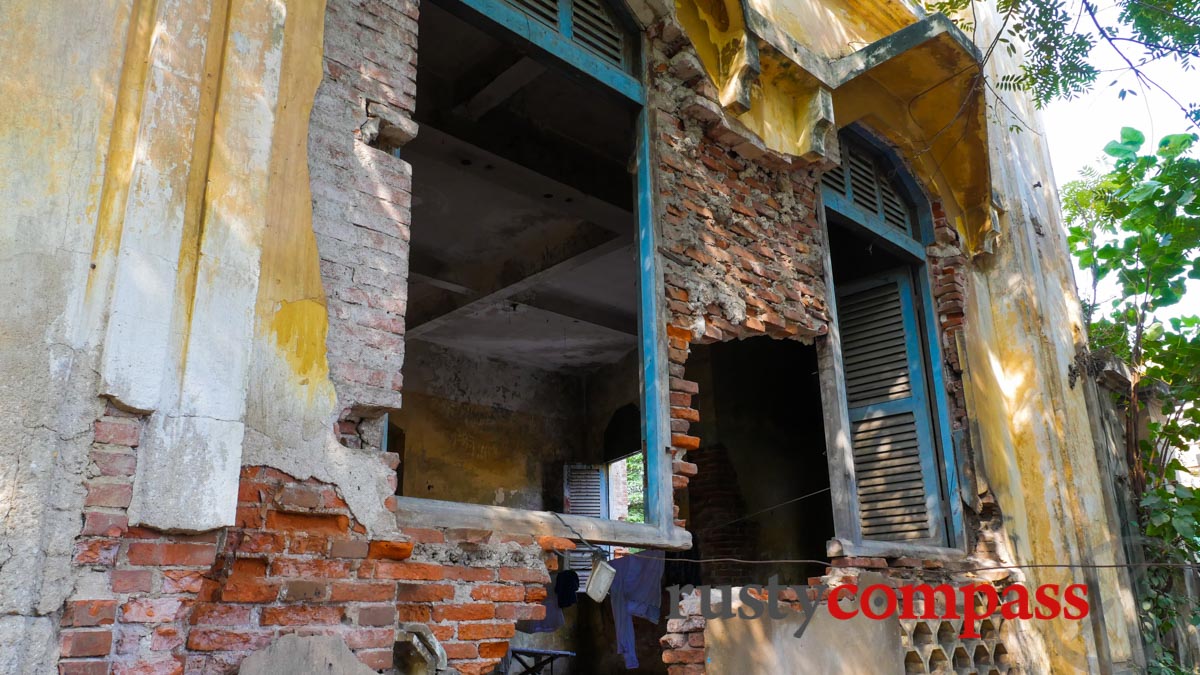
x,y
415,512
891,549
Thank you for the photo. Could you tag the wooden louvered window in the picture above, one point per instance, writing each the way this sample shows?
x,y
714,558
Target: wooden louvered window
x,y
590,24
895,465
585,493
871,188
897,446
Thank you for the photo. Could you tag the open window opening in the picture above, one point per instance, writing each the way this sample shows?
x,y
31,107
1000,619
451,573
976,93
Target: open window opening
x,y
762,491
522,337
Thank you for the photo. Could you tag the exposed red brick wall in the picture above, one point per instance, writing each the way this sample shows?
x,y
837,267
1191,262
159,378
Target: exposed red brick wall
x,y
296,561
362,195
739,233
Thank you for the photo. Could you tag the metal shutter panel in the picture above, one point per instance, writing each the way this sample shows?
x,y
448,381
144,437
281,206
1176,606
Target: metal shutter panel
x,y
895,469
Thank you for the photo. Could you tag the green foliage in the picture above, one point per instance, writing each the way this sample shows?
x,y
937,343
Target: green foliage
x,y
1139,227
1058,39
635,482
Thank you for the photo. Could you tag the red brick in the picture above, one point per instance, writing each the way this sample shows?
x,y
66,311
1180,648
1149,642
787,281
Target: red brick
x,y
114,463
497,593
218,639
524,574
166,639
423,535
376,659
555,543
391,550
246,584
303,543
81,613
324,569
385,569
461,650
376,615
480,631
96,551
305,591
521,612
367,638
182,581
331,500
469,573
85,643
117,433
686,655
254,492
104,524
423,592
304,615
151,610
132,581
116,495
249,517
412,613
475,667
471,612
260,542
363,592
686,669
493,650
349,549
220,615
535,593
313,523
141,553
299,496
90,667
157,666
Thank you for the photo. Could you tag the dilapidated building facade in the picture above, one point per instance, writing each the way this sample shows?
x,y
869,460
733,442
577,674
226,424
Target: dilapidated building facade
x,y
356,319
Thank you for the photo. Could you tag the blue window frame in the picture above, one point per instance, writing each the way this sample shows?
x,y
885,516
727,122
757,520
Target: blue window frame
x,y
571,31
904,472
582,34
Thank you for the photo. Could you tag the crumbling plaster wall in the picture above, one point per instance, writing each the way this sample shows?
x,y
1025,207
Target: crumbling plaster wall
x,y
162,254
481,431
1011,328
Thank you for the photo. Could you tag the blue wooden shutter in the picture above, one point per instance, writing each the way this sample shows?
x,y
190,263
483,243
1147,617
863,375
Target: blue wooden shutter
x,y
895,466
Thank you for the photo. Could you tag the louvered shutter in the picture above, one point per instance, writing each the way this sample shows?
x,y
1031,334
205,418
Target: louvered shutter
x,y
862,182
585,494
591,24
895,466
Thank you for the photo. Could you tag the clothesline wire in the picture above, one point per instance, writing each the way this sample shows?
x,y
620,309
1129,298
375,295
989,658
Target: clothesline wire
x,y
806,561
762,511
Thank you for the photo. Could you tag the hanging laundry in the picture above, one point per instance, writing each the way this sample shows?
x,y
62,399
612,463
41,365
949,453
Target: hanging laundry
x,y
636,591
566,587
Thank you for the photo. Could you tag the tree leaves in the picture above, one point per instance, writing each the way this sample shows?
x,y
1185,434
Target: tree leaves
x,y
1139,226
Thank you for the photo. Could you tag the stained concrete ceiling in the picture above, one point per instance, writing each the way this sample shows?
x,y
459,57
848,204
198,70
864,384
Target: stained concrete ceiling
x,y
513,265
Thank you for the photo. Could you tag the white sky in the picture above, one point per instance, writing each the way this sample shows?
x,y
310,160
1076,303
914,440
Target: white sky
x,y
1077,130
